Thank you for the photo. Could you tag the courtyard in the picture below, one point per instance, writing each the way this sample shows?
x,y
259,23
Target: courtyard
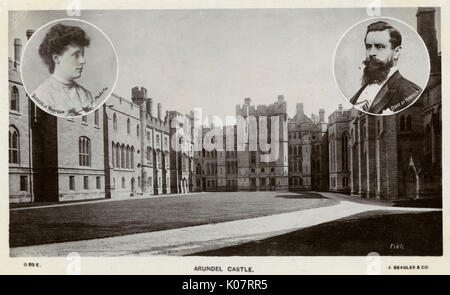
x,y
227,224
33,226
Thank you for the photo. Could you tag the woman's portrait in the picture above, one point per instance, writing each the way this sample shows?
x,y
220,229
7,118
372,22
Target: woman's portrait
x,y
68,53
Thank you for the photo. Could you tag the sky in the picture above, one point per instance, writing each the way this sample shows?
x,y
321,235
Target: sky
x,y
215,58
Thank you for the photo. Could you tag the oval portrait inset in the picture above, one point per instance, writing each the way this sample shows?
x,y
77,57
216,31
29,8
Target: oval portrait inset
x,y
381,66
69,68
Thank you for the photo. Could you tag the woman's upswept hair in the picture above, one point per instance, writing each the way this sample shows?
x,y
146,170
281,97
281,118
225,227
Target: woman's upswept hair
x,y
57,38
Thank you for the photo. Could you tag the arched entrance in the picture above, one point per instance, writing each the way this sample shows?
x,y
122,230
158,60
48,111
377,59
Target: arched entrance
x,y
412,181
132,187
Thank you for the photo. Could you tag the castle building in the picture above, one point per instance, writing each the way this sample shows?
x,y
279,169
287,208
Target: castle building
x,y
259,169
308,169
182,177
338,154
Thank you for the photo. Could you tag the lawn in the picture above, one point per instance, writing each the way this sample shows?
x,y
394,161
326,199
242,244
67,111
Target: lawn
x,y
98,220
388,233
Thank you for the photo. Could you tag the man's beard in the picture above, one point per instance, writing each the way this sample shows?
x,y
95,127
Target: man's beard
x,y
375,71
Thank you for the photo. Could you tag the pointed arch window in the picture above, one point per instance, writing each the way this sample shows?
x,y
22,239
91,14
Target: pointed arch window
x,y
122,156
128,126
14,144
84,149
14,99
132,157
402,123
117,155
115,122
408,123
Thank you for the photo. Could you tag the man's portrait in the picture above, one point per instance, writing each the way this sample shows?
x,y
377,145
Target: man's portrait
x,y
74,80
383,87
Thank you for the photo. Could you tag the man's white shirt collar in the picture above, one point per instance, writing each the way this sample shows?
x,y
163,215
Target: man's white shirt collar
x,y
371,90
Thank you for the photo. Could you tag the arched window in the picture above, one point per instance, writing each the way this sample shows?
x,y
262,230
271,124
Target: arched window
x,y
149,154
132,157
14,100
122,156
84,151
14,144
127,157
408,123
117,155
128,126
123,182
344,147
96,118
115,122
113,153
402,123
137,130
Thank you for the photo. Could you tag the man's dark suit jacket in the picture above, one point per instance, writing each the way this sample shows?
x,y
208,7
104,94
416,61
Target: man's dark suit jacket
x,y
396,94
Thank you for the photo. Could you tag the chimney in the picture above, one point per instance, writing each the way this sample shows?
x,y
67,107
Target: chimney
x,y
247,100
159,110
150,106
280,98
300,108
321,115
29,33
17,51
427,30
340,108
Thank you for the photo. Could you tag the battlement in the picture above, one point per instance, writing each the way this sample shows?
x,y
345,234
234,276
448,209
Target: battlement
x,y
277,108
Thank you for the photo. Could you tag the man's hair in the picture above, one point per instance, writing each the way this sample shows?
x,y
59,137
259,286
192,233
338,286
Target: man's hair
x,y
57,38
395,36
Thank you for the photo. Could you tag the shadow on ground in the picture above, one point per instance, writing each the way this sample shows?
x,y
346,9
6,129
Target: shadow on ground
x,y
420,203
388,233
301,196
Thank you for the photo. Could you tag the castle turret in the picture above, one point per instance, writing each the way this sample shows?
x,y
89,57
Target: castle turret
x,y
17,51
426,29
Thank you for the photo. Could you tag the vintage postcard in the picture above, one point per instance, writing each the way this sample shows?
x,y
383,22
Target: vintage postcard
x,y
225,137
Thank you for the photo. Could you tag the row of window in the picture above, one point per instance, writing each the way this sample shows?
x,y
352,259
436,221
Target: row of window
x,y
295,181
98,183
297,135
295,149
122,156
84,119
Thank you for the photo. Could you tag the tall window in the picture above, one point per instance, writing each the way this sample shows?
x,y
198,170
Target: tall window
x,y
96,118
123,182
113,153
71,183
137,130
115,122
128,126
84,119
132,157
344,147
402,123
23,183
84,149
117,156
14,101
127,152
86,182
408,123
122,156
13,145
98,182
